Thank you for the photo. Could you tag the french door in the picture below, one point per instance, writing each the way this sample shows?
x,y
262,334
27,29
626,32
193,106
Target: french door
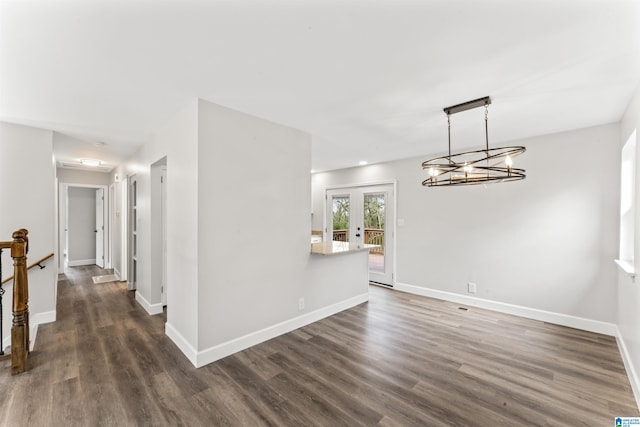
x,y
364,215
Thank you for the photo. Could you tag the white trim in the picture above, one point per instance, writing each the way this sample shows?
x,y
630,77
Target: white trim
x,y
590,325
33,329
182,343
117,273
626,267
228,348
365,184
36,320
64,249
148,307
628,364
81,262
42,318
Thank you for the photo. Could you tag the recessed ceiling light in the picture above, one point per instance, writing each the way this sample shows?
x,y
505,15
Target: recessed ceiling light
x,y
363,162
90,162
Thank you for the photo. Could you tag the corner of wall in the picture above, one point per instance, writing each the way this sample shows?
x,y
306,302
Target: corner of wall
x,y
628,365
148,307
228,348
178,339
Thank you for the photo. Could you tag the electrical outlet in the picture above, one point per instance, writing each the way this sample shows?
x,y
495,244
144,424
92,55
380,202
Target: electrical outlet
x,y
301,304
472,288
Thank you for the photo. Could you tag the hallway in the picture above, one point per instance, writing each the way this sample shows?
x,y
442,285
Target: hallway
x,y
397,360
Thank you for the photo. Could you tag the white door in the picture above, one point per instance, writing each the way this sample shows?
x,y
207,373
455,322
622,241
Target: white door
x,y
100,228
364,215
163,213
133,234
111,224
377,211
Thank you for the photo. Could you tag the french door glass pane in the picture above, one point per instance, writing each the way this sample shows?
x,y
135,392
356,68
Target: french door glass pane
x,y
374,223
341,211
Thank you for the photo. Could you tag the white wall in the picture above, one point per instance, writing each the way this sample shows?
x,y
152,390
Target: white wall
x,y
119,225
628,314
254,222
545,243
27,191
177,141
81,226
254,226
238,228
73,176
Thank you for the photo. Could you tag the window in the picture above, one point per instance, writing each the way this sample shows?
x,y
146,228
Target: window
x,y
627,204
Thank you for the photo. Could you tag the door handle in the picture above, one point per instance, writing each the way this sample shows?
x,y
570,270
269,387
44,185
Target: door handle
x,y
357,234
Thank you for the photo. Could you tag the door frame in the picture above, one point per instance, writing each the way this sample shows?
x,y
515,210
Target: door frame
x,y
132,223
392,221
63,214
103,229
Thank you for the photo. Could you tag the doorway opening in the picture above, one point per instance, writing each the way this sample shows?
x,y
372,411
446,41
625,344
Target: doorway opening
x,y
158,220
365,214
83,211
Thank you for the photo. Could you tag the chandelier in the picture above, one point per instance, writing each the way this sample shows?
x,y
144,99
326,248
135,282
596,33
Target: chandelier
x,y
473,167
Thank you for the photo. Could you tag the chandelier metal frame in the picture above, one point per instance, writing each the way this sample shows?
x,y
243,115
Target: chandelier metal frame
x,y
475,166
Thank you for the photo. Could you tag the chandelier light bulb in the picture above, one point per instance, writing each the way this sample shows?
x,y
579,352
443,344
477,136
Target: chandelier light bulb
x,y
509,161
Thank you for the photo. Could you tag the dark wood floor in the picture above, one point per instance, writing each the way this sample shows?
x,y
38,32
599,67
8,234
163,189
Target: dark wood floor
x,y
398,360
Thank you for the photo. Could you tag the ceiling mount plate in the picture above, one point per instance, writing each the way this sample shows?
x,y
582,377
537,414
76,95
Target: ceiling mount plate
x,y
480,102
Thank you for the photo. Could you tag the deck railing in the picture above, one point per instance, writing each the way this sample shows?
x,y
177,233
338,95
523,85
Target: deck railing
x,y
372,236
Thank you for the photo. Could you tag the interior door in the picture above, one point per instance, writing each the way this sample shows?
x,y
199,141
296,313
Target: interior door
x,y
133,234
99,230
163,213
364,215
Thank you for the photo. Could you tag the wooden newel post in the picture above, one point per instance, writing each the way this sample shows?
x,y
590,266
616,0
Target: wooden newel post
x,y
20,326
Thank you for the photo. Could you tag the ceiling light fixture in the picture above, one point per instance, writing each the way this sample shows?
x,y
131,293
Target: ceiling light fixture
x,y
477,166
362,162
90,162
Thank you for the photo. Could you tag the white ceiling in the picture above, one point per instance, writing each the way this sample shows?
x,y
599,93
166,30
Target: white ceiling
x,y
368,79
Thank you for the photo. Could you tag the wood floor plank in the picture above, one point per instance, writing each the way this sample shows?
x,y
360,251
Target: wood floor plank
x,y
398,360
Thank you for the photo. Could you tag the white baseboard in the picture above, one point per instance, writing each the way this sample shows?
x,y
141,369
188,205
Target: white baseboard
x,y
39,319
148,307
34,321
79,262
219,351
182,343
517,310
628,365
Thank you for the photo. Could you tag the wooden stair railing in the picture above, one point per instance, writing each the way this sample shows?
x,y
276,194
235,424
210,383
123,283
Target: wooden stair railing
x,y
20,325
37,263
